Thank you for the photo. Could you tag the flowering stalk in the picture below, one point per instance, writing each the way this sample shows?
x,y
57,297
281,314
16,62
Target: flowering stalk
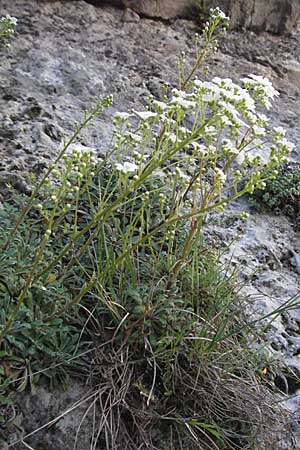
x,y
99,108
217,24
221,108
195,226
37,191
202,144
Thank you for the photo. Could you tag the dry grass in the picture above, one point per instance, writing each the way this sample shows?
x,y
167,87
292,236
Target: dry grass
x,y
163,401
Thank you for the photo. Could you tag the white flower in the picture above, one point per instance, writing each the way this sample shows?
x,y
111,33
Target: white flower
x,y
13,20
223,16
122,115
160,105
198,83
259,83
135,137
211,97
210,129
233,113
218,13
185,104
259,131
225,120
263,119
288,145
184,130
229,146
200,148
228,107
181,174
279,131
179,93
212,149
165,119
260,79
217,80
223,82
246,98
145,115
172,137
251,117
267,103
220,175
127,167
240,157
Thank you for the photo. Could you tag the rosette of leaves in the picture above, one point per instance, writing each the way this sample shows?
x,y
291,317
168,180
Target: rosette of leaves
x,y
281,194
38,346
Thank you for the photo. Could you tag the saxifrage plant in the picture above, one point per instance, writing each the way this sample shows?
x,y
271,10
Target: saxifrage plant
x,y
117,248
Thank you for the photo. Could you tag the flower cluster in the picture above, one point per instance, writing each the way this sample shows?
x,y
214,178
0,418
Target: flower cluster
x,y
213,134
63,188
126,167
217,13
262,89
207,141
7,27
217,24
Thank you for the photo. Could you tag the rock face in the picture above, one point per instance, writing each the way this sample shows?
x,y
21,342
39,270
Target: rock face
x,y
275,16
165,9
63,57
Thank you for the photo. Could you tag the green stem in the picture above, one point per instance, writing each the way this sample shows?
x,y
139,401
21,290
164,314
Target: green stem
x,y
185,252
103,215
79,128
28,283
172,220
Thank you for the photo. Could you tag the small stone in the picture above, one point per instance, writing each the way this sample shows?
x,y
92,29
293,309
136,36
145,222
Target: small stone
x,y
16,180
34,111
16,164
52,131
295,261
292,68
130,16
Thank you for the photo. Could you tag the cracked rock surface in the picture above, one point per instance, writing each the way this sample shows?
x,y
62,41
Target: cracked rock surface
x,y
275,16
64,56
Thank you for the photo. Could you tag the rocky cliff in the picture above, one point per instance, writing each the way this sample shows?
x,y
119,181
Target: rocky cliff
x,y
276,16
65,55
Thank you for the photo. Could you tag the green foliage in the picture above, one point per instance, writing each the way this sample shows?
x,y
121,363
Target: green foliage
x,y
202,9
36,341
281,193
109,252
7,29
173,336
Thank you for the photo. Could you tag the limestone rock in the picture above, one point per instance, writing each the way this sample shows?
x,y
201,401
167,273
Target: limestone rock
x,y
164,9
275,16
130,16
292,68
